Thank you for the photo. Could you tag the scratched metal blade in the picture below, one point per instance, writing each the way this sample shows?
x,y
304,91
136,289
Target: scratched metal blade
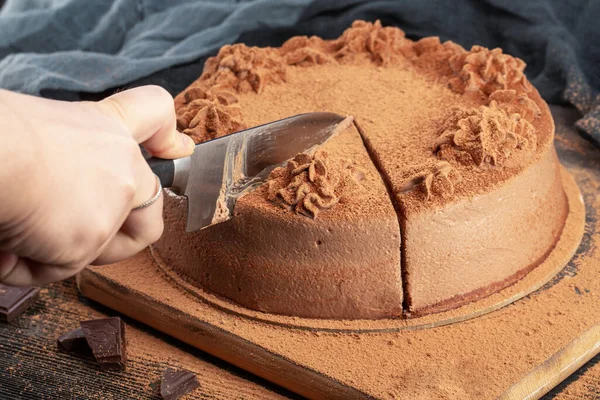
x,y
223,169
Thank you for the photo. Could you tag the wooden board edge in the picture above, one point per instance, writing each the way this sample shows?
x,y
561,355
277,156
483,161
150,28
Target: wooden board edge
x,y
214,340
556,368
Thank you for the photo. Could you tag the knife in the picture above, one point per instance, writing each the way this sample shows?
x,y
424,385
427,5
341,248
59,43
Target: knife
x,y
221,170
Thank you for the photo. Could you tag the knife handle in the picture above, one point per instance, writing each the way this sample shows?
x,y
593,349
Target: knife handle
x,y
164,169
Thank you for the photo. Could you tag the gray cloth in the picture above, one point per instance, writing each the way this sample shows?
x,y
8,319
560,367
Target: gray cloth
x,y
94,45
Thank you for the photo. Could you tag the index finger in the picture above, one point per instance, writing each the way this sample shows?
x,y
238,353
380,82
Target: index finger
x,y
148,112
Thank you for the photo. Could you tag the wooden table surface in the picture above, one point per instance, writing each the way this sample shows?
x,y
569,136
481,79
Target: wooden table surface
x,y
32,368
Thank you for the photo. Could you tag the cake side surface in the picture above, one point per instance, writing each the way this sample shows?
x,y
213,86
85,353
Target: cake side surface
x,y
474,247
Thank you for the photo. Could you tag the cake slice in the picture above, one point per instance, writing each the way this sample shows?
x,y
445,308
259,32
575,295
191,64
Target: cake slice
x,y
326,249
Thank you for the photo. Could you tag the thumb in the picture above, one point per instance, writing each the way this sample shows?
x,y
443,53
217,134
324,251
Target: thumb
x,y
148,112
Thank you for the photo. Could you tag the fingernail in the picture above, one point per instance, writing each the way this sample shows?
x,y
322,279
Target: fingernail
x,y
187,142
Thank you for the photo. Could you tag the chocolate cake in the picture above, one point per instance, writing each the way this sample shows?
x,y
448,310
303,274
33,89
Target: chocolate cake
x,y
442,187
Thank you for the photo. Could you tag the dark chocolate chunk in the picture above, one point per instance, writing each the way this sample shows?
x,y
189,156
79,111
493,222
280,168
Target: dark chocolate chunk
x,y
175,384
75,343
106,338
15,300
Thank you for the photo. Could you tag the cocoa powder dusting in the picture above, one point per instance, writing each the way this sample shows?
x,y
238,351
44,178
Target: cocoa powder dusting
x,y
486,135
309,184
402,94
433,178
400,110
475,359
400,91
484,71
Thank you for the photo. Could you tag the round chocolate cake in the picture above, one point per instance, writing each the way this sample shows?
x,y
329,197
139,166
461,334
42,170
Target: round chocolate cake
x,y
442,186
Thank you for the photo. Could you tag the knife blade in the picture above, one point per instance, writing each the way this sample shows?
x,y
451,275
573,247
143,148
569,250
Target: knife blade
x,y
223,169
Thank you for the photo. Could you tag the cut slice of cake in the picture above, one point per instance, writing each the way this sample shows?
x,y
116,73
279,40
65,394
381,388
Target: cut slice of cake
x,y
319,239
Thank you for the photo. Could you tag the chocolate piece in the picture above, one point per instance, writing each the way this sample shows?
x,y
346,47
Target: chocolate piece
x,y
106,338
15,300
74,342
175,384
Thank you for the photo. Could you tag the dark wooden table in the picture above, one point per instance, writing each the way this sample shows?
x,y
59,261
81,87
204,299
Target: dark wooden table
x,y
32,368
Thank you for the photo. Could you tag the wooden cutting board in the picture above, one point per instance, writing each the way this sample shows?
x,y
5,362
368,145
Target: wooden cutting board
x,y
487,349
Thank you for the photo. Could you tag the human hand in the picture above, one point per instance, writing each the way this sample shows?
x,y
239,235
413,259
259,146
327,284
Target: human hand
x,y
71,175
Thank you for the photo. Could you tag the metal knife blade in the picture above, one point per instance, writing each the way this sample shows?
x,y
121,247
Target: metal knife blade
x,y
221,170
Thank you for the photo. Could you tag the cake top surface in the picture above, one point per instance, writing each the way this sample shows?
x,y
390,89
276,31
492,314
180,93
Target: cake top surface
x,y
441,123
338,182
